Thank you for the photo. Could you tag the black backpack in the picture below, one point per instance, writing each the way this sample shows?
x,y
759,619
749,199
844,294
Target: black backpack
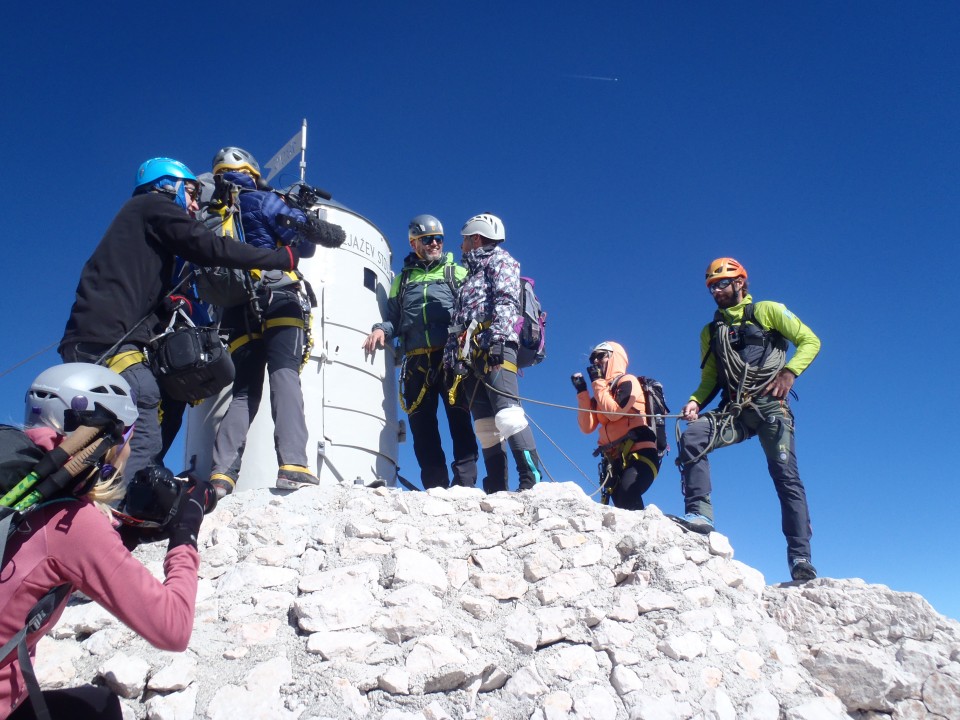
x,y
656,406
221,286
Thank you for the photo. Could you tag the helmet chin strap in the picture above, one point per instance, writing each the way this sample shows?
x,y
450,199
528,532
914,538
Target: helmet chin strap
x,y
176,191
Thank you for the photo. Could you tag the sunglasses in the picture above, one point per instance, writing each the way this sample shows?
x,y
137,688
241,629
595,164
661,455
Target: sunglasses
x,y
721,284
598,357
431,240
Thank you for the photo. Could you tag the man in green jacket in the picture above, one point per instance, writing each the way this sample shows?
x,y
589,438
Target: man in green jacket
x,y
744,358
418,313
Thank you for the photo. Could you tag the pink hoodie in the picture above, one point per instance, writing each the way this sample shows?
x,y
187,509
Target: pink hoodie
x,y
73,542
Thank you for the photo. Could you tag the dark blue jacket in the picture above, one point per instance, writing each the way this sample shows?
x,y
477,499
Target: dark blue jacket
x,y
259,213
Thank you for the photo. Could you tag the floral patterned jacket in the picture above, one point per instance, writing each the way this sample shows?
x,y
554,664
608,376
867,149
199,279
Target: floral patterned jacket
x,y
490,294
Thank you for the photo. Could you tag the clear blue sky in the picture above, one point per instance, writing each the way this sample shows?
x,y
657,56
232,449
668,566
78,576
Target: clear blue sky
x,y
625,145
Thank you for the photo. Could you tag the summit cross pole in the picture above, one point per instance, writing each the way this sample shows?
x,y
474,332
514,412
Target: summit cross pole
x,y
303,152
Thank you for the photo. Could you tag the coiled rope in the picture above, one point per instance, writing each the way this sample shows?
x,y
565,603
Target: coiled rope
x,y
751,381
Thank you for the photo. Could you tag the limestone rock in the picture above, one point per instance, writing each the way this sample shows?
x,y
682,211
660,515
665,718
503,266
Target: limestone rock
x,y
343,601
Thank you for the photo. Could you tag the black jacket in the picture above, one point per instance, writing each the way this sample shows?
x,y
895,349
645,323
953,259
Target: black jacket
x,y
131,270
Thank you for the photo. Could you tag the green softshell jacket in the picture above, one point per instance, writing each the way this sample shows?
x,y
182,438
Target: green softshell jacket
x,y
770,316
420,315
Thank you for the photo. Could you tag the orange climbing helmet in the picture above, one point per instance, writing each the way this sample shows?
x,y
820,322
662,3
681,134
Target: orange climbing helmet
x,y
724,267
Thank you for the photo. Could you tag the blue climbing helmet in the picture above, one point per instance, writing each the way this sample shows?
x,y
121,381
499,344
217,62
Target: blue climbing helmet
x,y
166,175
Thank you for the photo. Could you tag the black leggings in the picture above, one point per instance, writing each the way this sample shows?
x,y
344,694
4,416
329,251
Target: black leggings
x,y
635,480
82,703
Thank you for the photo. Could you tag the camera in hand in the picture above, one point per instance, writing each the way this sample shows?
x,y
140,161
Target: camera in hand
x,y
154,496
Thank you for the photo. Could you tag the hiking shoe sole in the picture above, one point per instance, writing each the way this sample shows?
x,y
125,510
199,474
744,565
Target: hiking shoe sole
x,y
295,481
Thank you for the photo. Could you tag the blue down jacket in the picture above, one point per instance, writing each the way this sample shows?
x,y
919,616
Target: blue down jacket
x,y
259,213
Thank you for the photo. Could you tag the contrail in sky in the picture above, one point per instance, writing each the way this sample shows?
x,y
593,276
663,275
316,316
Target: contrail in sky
x,y
604,78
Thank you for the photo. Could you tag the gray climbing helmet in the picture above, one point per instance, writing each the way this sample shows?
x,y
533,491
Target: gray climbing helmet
x,y
423,225
77,386
234,158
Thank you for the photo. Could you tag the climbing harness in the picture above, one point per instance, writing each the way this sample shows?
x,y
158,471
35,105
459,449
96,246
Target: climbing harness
x,y
462,359
430,377
744,382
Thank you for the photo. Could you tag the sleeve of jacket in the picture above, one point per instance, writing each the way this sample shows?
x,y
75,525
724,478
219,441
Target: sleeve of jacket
x,y
91,554
606,402
586,420
775,316
505,282
391,316
192,241
273,209
708,374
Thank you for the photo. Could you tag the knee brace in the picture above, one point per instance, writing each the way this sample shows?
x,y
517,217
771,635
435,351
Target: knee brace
x,y
510,421
486,431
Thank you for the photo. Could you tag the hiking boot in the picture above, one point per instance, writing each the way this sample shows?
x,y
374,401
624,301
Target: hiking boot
x,y
491,486
293,477
802,570
223,484
695,522
528,468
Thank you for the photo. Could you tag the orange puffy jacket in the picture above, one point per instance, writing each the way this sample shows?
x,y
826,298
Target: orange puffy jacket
x,y
615,392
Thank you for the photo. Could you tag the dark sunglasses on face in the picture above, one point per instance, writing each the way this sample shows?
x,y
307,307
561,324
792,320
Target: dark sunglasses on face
x,y
432,240
721,284
597,357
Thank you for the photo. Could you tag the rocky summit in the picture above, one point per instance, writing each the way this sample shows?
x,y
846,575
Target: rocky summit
x,y
350,602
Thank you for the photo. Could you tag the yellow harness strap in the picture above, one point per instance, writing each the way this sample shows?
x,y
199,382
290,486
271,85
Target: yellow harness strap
x,y
649,462
283,322
292,274
423,351
121,361
243,340
403,378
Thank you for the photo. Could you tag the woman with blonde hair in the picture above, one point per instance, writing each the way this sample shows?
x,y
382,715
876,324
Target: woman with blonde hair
x,y
70,542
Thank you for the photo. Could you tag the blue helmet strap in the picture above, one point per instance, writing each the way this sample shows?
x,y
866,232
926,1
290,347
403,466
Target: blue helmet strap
x,y
174,188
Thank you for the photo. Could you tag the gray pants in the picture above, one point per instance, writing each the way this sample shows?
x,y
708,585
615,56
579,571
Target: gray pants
x,y
772,423
279,352
490,393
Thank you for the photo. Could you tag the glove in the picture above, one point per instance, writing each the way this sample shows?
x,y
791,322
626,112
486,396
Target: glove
x,y
199,499
579,384
495,355
594,372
